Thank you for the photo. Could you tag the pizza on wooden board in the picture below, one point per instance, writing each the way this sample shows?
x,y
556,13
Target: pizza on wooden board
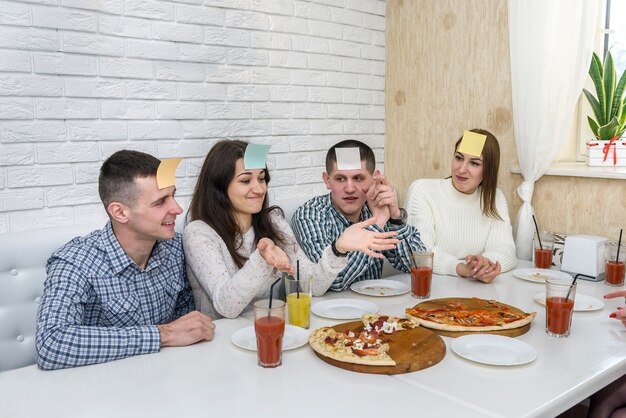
x,y
468,314
366,345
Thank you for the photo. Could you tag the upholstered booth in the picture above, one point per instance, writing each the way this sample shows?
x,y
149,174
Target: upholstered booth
x,y
22,274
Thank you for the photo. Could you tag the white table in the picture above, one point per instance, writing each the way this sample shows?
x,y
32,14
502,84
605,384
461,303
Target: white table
x,y
214,379
566,371
218,378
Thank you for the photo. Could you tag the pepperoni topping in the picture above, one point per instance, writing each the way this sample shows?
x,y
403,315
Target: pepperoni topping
x,y
330,340
365,352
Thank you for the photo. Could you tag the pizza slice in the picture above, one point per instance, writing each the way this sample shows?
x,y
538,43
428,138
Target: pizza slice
x,y
351,347
386,324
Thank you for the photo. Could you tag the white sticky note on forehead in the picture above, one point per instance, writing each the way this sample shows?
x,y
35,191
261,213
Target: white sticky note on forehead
x,y
472,143
348,158
255,156
166,173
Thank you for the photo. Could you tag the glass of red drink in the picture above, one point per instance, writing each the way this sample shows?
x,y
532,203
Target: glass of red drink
x,y
614,266
560,295
543,250
421,274
269,327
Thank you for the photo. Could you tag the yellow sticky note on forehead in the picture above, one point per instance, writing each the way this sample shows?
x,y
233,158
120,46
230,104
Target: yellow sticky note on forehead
x,y
166,173
472,143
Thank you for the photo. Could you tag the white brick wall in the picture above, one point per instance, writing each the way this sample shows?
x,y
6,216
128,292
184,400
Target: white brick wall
x,y
80,80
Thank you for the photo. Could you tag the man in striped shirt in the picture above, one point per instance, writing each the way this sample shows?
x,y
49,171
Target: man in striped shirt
x,y
120,291
355,195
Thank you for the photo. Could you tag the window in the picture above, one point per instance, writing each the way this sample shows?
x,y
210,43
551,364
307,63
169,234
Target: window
x,y
615,32
611,36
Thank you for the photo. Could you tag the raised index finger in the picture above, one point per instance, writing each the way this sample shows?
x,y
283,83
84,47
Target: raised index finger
x,y
616,294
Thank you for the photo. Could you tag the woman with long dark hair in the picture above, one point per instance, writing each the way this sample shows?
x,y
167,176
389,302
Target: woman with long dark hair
x,y
235,244
465,218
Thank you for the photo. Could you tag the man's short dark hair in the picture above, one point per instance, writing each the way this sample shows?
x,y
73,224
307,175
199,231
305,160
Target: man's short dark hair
x,y
118,174
366,152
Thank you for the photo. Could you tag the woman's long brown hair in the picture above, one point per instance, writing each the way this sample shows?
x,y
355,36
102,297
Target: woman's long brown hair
x,y
491,165
210,202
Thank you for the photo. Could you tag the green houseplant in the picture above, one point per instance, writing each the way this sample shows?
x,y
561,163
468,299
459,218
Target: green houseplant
x,y
609,104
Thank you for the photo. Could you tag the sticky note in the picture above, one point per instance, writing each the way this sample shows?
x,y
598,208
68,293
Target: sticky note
x,y
348,158
255,156
472,143
166,173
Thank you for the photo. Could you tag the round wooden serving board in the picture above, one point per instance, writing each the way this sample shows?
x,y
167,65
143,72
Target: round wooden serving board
x,y
412,350
516,332
472,303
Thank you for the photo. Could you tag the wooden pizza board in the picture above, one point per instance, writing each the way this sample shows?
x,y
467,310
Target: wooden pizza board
x,y
412,350
516,332
472,303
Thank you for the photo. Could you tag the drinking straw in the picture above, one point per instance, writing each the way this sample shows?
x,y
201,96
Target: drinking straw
x,y
298,278
271,293
619,244
537,229
571,286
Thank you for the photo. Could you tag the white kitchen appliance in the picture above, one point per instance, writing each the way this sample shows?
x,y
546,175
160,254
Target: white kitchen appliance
x,y
584,254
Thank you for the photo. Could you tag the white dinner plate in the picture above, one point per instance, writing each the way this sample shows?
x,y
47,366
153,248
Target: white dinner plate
x,y
294,337
380,287
343,308
540,275
581,302
493,349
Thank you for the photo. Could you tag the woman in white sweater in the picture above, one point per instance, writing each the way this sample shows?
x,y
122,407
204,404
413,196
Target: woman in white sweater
x,y
464,219
235,245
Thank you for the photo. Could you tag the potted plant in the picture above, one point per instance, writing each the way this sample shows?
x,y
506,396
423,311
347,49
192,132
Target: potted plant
x,y
609,109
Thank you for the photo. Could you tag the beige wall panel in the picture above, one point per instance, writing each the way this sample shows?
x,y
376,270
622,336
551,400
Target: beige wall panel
x,y
578,205
448,70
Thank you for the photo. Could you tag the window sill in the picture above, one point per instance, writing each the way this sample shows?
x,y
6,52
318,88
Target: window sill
x,y
580,169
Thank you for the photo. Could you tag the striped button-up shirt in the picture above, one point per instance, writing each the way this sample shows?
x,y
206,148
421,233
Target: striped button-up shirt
x,y
318,223
98,305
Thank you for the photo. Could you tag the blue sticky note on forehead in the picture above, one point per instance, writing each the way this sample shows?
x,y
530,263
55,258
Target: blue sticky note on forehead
x,y
255,156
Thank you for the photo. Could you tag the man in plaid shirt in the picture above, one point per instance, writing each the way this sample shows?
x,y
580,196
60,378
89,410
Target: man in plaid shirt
x,y
355,195
120,291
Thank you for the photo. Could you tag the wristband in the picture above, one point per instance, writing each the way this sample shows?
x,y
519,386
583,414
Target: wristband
x,y
336,251
402,220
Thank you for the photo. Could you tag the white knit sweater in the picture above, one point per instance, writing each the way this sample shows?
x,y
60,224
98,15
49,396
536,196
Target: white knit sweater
x,y
453,226
220,289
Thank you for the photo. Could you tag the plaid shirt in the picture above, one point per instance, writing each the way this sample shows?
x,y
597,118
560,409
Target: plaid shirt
x,y
318,223
98,305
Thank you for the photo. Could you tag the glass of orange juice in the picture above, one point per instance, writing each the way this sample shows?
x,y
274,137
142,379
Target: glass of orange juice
x,y
298,300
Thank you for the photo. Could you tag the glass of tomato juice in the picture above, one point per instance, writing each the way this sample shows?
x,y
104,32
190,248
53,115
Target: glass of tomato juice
x,y
421,273
614,267
269,327
543,250
560,295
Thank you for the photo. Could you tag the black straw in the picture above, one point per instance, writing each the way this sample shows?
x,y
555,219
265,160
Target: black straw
x,y
572,285
298,278
619,244
271,293
537,229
